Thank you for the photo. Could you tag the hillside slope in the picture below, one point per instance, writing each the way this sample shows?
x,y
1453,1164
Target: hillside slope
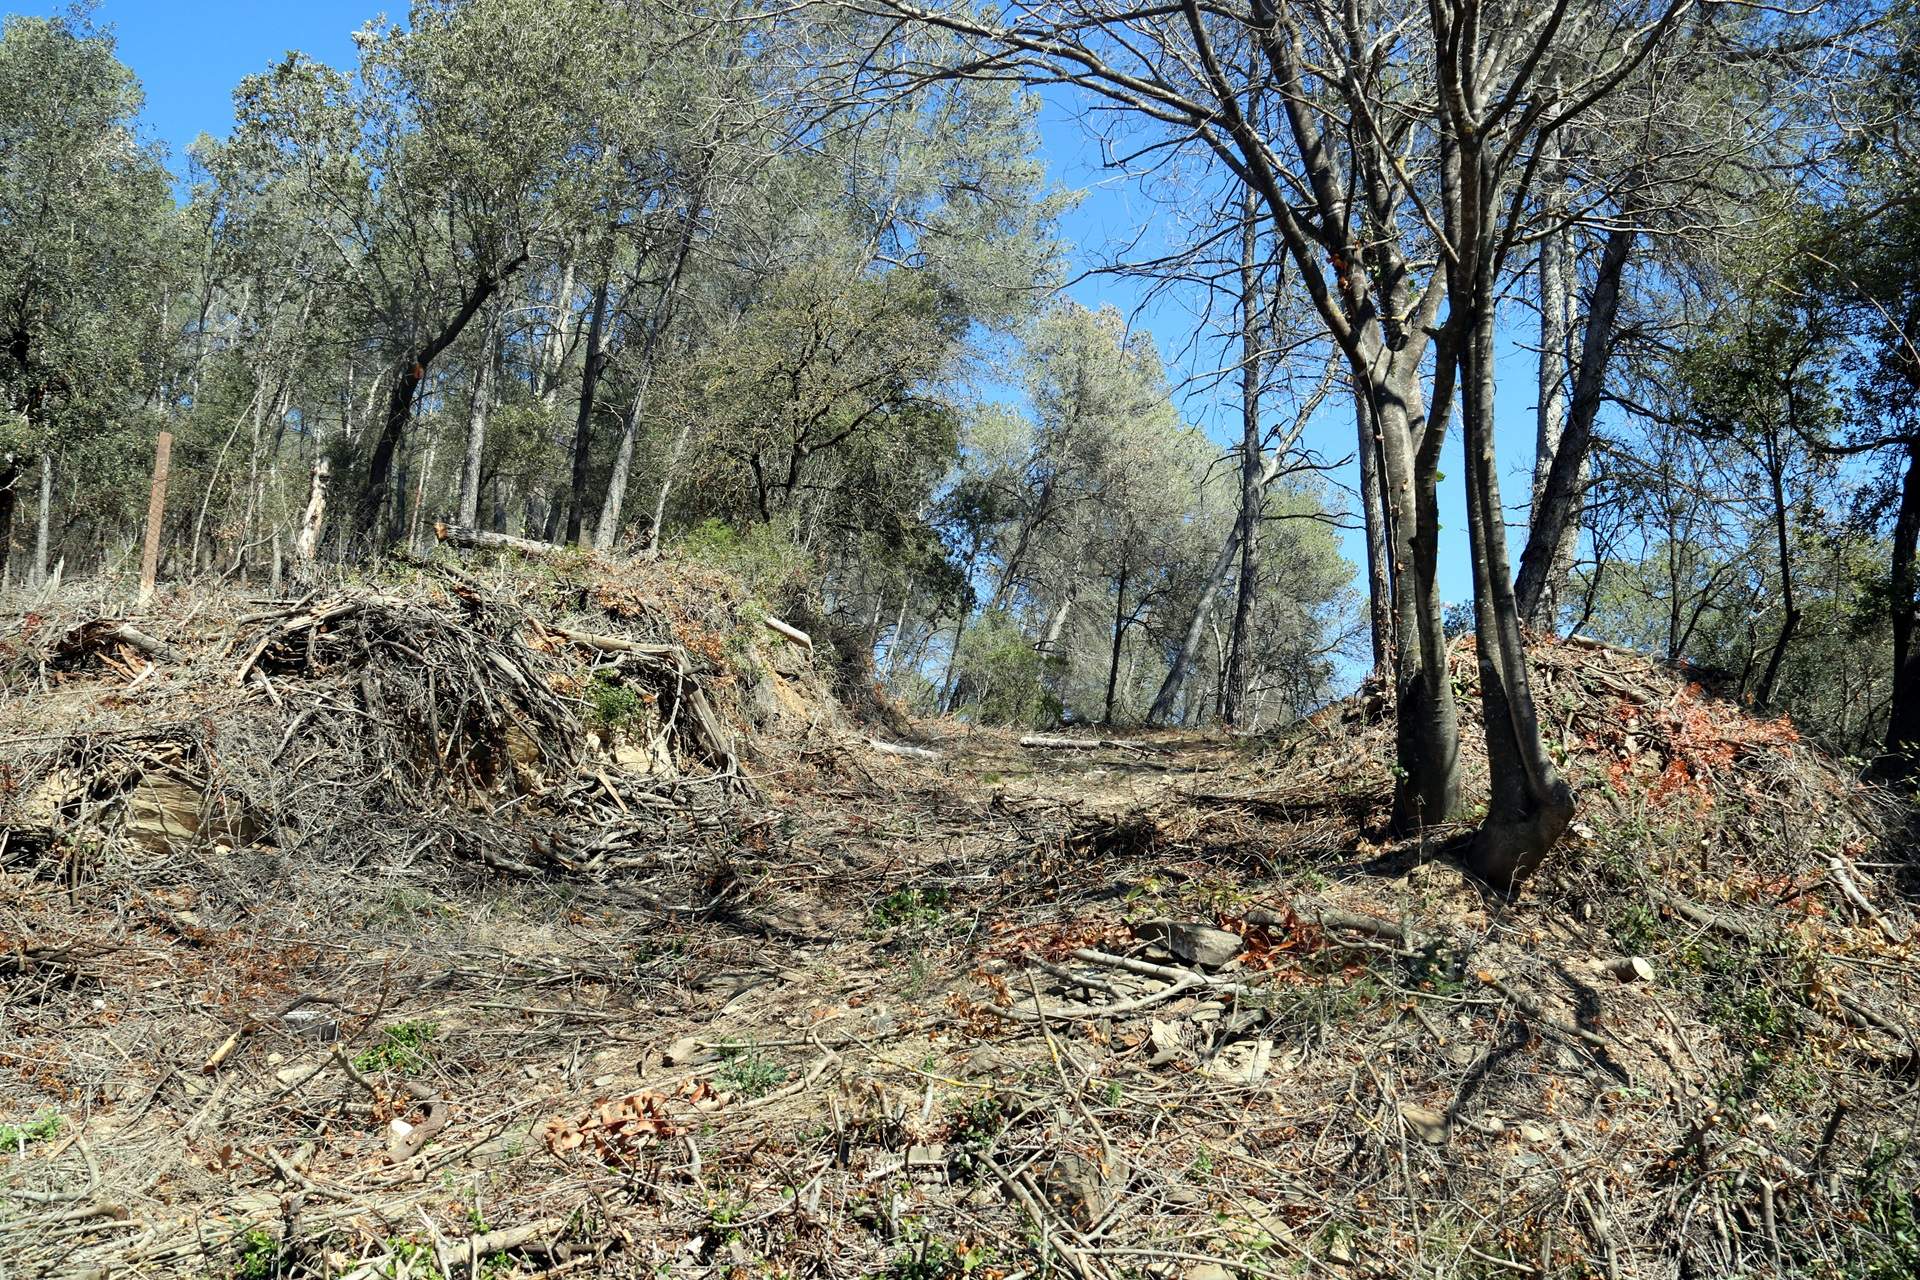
x,y
495,921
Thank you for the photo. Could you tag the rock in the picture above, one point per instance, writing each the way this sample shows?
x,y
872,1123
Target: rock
x,y
1533,1133
1200,944
1182,1196
930,1156
1207,1271
1243,1063
687,1051
1208,1011
1167,1043
1430,1126
1084,1190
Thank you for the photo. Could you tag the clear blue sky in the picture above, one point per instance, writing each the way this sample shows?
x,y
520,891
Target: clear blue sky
x,y
189,56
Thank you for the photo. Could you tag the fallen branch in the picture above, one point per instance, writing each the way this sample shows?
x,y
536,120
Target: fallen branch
x,y
791,632
1061,742
1850,889
901,749
463,1253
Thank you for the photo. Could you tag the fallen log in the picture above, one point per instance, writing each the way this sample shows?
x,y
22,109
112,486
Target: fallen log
x,y
462,536
1062,742
901,749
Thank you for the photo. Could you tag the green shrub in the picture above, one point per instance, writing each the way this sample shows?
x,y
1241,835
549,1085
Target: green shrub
x,y
403,1047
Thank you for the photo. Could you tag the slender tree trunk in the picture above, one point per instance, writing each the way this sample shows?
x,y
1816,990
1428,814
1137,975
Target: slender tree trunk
x,y
1119,633
1553,527
1776,480
1378,538
1529,804
662,316
9,502
1556,325
475,453
1903,715
408,376
1182,666
583,423
1251,491
43,524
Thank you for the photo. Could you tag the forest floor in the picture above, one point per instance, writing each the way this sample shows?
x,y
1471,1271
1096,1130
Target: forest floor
x,y
320,961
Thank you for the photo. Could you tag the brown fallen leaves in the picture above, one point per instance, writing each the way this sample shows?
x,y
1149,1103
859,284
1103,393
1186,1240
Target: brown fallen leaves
x,y
617,1128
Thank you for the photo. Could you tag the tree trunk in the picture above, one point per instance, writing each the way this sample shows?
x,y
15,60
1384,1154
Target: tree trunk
x,y
609,525
1529,805
1903,715
1251,492
1427,729
1776,480
408,376
9,501
1119,632
1556,325
43,523
1553,526
1379,556
1182,665
307,544
583,423
469,505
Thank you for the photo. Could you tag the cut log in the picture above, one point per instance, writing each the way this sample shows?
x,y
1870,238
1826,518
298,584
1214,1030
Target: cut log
x,y
901,749
792,633
462,536
1628,969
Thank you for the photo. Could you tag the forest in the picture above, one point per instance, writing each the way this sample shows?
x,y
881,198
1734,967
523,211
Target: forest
x,y
1472,430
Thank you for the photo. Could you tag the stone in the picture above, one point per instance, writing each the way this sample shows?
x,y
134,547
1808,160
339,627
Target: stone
x,y
1083,1190
1207,1271
1200,944
686,1052
1168,1044
1428,1125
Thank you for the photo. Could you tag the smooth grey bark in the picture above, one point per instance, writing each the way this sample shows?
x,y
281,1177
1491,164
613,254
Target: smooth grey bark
x,y
1556,327
469,504
1378,542
1553,528
43,524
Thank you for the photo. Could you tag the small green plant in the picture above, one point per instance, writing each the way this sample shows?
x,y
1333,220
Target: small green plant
x,y
1635,928
612,705
747,1071
905,908
258,1257
1891,1225
937,1260
14,1138
404,1047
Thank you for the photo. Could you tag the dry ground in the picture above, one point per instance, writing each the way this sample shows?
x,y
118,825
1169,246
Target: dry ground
x,y
868,1015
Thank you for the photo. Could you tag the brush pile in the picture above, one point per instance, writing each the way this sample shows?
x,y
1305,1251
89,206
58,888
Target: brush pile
x,y
558,922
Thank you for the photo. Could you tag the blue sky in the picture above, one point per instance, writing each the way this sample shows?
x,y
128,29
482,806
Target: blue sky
x,y
189,56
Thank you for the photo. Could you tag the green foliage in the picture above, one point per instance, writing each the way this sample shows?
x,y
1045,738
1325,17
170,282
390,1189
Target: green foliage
x,y
612,704
748,1071
934,1259
258,1256
1001,670
911,908
405,1047
763,557
15,1137
1891,1209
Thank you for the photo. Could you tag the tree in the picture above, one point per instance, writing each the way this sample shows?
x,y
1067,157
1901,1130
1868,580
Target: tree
x,y
88,217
